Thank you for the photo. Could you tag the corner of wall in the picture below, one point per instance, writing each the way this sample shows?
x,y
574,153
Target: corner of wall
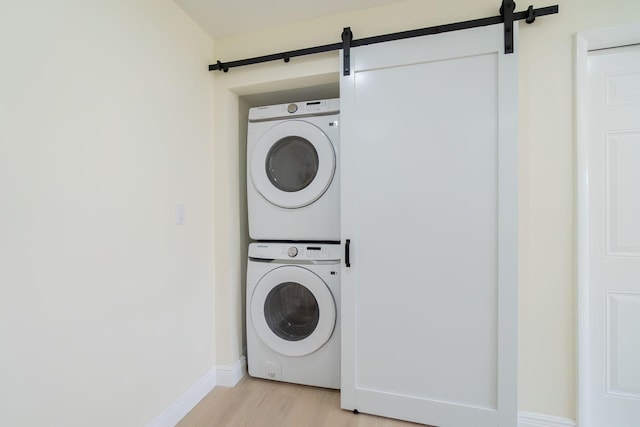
x,y
219,376
185,403
229,376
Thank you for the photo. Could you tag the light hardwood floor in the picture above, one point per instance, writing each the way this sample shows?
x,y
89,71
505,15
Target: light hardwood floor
x,y
263,403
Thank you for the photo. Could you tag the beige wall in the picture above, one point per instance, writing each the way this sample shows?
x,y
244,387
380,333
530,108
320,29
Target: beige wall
x,y
547,326
106,306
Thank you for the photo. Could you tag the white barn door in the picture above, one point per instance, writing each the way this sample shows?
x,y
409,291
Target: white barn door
x,y
429,206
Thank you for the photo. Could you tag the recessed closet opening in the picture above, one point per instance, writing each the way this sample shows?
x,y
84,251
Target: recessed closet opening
x,y
318,87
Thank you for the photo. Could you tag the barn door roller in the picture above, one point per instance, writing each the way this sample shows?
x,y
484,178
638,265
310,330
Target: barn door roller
x,y
347,39
506,10
507,16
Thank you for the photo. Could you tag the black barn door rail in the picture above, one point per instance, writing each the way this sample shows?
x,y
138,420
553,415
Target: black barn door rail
x,y
507,16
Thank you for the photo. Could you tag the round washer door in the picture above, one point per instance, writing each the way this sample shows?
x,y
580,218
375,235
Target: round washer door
x,y
292,164
293,311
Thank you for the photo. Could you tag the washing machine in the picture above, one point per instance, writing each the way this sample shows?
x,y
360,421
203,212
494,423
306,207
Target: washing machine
x,y
293,189
293,313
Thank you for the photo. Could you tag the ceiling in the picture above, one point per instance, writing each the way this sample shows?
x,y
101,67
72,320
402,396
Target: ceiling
x,y
222,18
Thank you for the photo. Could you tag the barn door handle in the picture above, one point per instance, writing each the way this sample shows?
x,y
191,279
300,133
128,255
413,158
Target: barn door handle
x,y
347,251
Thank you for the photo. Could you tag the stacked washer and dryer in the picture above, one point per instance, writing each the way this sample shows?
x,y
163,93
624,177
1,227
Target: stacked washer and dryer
x,y
293,270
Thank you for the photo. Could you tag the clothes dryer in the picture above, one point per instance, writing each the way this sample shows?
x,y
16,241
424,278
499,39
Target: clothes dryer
x,y
293,313
293,189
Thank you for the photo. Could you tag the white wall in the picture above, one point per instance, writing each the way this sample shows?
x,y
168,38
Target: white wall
x,y
106,306
547,327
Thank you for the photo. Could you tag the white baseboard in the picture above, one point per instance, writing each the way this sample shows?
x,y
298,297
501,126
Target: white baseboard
x,y
226,376
186,402
531,419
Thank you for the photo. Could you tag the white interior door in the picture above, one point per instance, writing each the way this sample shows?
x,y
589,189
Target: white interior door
x,y
613,176
429,205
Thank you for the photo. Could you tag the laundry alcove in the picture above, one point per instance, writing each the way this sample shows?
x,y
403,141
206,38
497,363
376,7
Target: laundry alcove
x,y
235,94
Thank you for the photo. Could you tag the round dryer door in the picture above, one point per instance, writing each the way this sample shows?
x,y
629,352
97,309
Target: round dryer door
x,y
293,164
293,311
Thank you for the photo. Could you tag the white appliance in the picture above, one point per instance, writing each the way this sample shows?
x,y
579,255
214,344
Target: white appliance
x,y
292,171
293,313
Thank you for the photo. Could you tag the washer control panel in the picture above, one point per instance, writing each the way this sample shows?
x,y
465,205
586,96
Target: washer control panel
x,y
297,251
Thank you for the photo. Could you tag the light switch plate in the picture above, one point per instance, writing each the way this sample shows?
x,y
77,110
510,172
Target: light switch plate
x,y
181,214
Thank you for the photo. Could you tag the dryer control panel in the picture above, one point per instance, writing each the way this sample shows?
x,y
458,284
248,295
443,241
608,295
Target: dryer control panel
x,y
294,109
295,251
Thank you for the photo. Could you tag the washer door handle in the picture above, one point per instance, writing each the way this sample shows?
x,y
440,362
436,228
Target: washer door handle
x,y
347,251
